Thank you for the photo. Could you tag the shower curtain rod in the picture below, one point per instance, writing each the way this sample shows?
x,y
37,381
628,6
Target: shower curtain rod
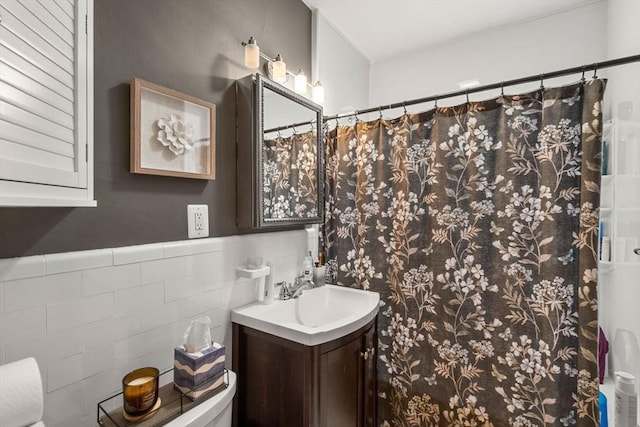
x,y
295,125
538,77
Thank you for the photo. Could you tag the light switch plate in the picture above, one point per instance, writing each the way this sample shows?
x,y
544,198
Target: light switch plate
x,y
198,221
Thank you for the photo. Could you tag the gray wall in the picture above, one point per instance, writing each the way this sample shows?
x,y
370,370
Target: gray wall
x,y
192,46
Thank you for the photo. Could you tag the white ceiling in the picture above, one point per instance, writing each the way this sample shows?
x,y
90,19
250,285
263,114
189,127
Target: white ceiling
x,y
382,29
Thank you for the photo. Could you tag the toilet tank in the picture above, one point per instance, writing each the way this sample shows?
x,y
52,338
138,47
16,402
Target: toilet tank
x,y
213,412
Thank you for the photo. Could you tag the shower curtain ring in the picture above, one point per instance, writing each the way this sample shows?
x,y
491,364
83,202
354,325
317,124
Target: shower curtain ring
x,y
502,88
435,102
467,94
404,106
542,81
582,79
380,111
311,125
356,114
595,70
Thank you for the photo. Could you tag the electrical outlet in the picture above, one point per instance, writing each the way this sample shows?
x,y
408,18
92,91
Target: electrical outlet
x,y
198,220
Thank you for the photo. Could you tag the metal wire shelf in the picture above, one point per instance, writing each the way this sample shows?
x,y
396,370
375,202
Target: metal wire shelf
x,y
174,403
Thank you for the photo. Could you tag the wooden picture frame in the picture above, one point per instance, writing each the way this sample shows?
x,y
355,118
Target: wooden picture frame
x,y
172,134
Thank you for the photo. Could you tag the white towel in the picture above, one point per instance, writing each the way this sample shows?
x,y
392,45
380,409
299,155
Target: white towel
x,y
21,398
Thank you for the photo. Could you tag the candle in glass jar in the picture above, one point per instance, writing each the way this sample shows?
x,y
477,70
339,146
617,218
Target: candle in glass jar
x,y
140,390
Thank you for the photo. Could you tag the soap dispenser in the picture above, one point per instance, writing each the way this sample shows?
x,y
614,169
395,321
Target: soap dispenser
x,y
307,269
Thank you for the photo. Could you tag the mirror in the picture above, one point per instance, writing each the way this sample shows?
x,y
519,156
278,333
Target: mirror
x,y
279,156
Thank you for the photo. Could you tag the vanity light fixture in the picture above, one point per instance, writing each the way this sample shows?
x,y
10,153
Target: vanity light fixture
x,y
317,92
276,70
251,54
279,70
300,83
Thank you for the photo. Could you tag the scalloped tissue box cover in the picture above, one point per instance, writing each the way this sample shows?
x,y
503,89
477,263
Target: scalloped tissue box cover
x,y
195,374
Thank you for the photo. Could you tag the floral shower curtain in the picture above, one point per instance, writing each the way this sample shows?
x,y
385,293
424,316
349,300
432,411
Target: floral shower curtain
x,y
477,224
289,174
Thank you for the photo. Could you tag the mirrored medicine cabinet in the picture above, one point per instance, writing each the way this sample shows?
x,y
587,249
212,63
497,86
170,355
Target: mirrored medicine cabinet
x,y
279,156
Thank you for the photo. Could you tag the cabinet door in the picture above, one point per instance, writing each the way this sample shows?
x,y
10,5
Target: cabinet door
x,y
46,103
348,383
273,380
340,385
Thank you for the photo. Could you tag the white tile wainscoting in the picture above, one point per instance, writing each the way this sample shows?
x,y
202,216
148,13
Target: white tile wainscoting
x,y
90,317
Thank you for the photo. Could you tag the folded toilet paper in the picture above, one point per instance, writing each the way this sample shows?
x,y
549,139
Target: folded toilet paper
x,y
21,398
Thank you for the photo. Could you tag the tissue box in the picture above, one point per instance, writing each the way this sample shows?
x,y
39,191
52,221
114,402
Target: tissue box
x,y
195,374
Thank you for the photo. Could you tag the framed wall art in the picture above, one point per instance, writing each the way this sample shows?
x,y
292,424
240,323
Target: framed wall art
x,y
172,134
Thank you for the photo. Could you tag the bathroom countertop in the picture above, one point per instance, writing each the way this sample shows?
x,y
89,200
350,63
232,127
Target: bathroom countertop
x,y
317,316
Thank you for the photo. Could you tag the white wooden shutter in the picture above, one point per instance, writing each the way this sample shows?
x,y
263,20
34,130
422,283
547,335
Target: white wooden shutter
x,y
43,92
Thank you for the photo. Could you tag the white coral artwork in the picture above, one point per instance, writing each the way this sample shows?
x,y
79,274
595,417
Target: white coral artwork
x,y
175,134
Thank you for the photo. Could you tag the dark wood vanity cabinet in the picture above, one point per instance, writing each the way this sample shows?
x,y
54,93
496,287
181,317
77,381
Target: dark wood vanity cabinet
x,y
284,383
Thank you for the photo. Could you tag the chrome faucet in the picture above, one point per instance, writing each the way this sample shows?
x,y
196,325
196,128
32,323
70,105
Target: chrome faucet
x,y
299,289
294,290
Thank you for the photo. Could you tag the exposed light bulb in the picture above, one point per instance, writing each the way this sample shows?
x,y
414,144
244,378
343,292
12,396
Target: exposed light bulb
x,y
252,54
279,70
300,83
317,92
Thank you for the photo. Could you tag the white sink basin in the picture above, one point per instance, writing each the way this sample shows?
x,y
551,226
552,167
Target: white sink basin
x,y
317,316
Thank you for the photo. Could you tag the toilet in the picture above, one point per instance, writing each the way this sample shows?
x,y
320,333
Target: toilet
x,y
213,412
